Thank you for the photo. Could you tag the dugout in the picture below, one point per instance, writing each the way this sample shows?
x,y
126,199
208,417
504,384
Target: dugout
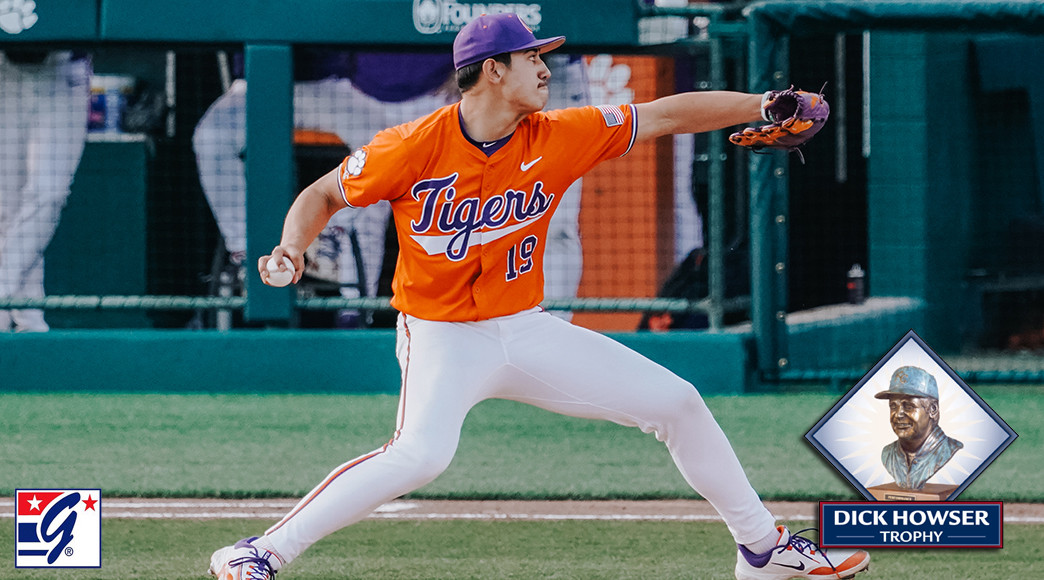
x,y
156,254
943,189
907,204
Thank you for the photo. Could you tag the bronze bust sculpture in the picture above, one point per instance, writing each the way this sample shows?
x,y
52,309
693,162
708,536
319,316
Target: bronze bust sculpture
x,y
922,448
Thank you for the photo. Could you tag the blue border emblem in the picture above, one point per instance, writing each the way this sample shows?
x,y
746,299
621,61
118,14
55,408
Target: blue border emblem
x,y
853,433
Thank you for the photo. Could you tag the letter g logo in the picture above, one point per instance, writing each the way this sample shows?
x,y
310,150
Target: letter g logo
x,y
64,529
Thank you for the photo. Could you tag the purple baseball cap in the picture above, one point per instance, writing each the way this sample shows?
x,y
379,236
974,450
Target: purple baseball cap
x,y
493,34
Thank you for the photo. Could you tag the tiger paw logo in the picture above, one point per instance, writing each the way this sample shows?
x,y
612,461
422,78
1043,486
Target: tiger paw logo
x,y
353,166
609,81
58,528
17,16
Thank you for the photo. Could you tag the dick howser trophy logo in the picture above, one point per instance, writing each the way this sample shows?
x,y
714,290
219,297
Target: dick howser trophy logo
x,y
911,436
58,528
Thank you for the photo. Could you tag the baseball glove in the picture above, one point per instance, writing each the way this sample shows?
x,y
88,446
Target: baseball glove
x,y
794,117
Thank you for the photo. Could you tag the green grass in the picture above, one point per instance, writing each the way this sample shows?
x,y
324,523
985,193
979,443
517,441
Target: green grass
x,y
209,445
459,550
172,445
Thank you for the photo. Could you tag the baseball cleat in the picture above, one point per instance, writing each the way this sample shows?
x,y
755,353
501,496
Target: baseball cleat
x,y
798,557
244,561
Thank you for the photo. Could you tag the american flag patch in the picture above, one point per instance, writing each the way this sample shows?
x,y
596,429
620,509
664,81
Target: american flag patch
x,y
611,115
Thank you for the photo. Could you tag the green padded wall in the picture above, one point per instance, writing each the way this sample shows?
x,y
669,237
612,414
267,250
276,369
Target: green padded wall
x,y
920,175
324,361
100,244
54,20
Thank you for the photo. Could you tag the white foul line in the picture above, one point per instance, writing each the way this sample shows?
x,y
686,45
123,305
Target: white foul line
x,y
398,510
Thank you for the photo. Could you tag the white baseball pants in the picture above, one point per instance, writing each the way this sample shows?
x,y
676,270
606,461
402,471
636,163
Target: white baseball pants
x,y
535,358
43,129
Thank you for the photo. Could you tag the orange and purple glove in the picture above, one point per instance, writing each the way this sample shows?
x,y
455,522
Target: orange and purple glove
x,y
794,117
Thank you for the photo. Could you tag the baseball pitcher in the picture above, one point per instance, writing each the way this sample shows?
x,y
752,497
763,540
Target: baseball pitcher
x,y
472,188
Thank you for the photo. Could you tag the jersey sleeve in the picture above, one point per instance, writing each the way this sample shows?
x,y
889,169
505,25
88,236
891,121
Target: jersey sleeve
x,y
605,132
376,171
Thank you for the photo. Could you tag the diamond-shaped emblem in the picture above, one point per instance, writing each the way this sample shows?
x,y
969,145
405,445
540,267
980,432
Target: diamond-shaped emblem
x,y
911,429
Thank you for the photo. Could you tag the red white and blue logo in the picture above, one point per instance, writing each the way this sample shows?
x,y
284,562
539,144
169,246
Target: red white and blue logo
x,y
58,528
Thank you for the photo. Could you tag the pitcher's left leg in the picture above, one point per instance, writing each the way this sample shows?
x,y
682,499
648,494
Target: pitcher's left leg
x,y
577,372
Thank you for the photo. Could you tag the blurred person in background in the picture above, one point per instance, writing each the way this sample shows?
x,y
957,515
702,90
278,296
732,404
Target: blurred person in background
x,y
44,102
351,95
564,257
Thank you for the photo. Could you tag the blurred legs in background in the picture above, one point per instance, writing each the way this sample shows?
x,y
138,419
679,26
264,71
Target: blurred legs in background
x,y
564,256
43,128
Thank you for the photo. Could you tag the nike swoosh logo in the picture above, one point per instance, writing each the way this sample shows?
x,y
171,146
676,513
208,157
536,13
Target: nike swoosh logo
x,y
439,244
799,567
484,145
526,166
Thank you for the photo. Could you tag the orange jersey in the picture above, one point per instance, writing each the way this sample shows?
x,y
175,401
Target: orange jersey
x,y
472,228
